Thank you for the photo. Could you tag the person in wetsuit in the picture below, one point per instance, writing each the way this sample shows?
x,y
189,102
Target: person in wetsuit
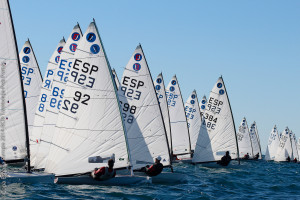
x,y
246,157
256,156
225,160
104,173
288,159
154,169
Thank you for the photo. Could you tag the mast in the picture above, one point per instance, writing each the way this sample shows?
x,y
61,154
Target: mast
x,y
159,108
35,60
117,97
22,88
185,117
237,146
171,150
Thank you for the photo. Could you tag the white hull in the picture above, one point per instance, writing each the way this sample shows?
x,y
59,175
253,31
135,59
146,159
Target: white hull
x,y
166,178
34,177
88,180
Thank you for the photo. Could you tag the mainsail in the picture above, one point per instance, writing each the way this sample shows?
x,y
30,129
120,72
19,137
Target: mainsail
x,y
32,81
180,133
273,144
217,133
57,90
14,141
193,116
294,147
43,100
244,140
89,129
255,140
285,146
162,98
141,113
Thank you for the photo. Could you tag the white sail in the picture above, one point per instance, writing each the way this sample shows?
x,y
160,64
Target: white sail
x,y
217,132
202,105
267,155
257,136
180,134
13,121
89,128
244,140
32,81
43,100
285,147
162,98
193,116
294,146
56,94
142,115
255,140
298,147
116,79
273,144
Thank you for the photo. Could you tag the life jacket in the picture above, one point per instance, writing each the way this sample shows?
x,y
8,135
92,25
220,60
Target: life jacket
x,y
107,175
156,169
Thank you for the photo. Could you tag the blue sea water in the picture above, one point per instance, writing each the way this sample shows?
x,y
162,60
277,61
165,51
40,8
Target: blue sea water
x,y
250,180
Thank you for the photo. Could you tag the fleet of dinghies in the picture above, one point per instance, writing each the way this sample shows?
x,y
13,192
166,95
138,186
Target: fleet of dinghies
x,y
80,116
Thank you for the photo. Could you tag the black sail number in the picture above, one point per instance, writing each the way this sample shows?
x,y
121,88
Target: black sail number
x,y
79,98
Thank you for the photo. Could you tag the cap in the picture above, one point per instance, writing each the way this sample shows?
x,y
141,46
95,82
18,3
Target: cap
x,y
158,158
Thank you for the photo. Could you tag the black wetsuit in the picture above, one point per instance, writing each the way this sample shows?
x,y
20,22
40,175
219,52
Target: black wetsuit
x,y
154,169
225,160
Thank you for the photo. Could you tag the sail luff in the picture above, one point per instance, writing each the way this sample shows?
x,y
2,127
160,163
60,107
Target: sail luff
x,y
22,88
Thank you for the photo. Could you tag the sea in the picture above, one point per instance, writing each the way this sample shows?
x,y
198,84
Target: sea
x,y
249,180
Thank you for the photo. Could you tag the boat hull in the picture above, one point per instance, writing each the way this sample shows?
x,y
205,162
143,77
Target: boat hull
x,y
23,177
166,178
116,181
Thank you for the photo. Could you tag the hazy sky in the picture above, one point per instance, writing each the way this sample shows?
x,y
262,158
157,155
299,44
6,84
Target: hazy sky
x,y
253,44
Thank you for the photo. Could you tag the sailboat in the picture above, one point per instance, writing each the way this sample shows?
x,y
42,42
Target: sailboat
x,y
14,134
143,118
217,133
193,116
298,147
202,105
32,81
54,103
255,141
295,156
285,147
89,130
244,140
273,144
181,142
162,99
35,137
116,79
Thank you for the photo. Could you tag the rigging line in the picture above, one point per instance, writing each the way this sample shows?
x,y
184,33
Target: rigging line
x,y
86,129
54,144
52,63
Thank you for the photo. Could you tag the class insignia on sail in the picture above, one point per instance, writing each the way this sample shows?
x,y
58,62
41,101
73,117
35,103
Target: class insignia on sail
x,y
273,144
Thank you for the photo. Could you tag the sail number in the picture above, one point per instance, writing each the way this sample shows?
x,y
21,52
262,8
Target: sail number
x,y
130,88
128,117
171,99
210,121
189,112
213,105
78,98
26,72
82,73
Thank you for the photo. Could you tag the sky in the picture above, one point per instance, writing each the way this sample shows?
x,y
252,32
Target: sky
x,y
253,44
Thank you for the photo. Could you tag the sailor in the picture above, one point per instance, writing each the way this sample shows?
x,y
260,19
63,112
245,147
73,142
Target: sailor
x,y
256,156
105,173
225,160
288,159
2,162
246,157
295,160
154,169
